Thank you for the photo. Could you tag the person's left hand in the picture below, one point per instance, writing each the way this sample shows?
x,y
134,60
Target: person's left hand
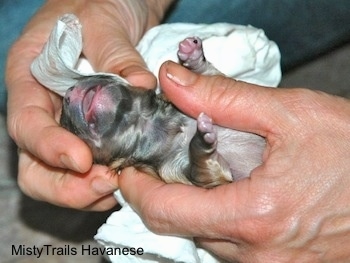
x,y
54,164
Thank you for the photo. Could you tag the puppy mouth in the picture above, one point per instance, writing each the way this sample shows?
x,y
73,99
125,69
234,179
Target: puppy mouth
x,y
90,103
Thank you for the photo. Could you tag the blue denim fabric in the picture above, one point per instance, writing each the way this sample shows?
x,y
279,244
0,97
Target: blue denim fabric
x,y
14,14
303,29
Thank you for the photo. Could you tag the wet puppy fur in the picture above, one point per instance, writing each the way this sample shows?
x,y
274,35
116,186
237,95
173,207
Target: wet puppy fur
x,y
130,126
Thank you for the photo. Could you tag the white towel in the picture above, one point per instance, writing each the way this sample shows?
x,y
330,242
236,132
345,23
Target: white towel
x,y
241,52
124,228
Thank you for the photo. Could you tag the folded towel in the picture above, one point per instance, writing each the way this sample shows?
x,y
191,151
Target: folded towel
x,y
241,52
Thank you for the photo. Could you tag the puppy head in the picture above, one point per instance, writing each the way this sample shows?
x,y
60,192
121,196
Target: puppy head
x,y
95,109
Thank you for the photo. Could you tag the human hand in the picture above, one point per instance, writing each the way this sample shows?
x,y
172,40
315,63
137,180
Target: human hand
x,y
293,208
55,165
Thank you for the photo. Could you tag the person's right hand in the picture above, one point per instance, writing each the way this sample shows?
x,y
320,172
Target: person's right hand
x,y
55,165
294,207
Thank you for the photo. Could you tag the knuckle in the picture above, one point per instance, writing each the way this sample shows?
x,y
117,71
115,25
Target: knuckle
x,y
16,122
12,127
23,184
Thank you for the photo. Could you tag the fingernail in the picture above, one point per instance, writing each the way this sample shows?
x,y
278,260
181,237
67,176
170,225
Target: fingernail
x,y
69,163
179,74
102,186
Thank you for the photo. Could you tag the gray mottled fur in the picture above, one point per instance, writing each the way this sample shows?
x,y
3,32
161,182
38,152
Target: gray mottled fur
x,y
145,131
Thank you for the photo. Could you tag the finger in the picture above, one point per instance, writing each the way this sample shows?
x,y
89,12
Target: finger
x,y
230,103
179,209
91,190
116,50
35,130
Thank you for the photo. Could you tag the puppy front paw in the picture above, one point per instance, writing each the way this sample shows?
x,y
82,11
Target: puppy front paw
x,y
190,52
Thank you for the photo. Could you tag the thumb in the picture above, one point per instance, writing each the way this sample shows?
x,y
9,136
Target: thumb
x,y
230,103
178,209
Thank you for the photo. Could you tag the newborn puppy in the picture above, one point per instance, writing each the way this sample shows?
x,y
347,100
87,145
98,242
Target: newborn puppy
x,y
130,126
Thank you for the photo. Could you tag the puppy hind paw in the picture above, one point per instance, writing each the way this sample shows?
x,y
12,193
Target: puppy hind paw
x,y
206,128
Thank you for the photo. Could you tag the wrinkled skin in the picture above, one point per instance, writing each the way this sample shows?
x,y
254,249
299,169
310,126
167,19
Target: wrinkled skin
x,y
293,208
48,170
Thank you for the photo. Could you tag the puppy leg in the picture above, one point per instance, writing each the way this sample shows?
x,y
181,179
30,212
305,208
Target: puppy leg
x,y
191,56
208,168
